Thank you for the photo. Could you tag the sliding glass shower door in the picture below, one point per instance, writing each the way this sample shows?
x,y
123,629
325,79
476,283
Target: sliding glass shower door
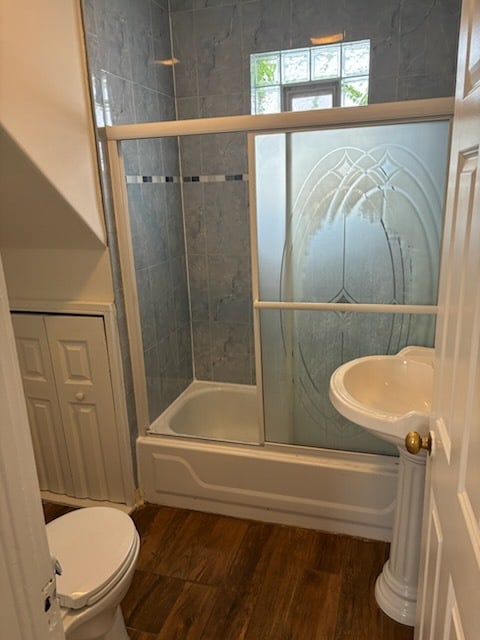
x,y
351,216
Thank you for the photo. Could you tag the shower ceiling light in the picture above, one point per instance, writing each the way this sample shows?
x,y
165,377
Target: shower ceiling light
x,y
330,39
169,62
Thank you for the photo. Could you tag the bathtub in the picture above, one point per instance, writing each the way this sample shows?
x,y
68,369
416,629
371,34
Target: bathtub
x,y
205,453
213,411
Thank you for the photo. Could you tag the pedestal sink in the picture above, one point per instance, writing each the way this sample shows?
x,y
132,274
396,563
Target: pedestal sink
x,y
391,396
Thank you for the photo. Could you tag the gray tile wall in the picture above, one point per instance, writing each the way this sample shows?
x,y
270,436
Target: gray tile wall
x,y
413,56
217,231
124,38
413,43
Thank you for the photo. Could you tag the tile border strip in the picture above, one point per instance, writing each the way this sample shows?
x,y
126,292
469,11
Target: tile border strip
x,y
234,177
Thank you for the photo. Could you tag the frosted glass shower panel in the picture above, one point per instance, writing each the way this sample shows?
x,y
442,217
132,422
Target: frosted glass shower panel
x,y
270,184
351,215
301,350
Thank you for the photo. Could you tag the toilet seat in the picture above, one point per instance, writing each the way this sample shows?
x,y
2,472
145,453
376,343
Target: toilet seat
x,y
95,546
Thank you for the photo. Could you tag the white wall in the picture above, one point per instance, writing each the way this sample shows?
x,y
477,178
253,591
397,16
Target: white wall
x,y
52,234
44,99
70,275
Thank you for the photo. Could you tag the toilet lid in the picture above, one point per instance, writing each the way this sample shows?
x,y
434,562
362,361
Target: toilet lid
x,y
94,547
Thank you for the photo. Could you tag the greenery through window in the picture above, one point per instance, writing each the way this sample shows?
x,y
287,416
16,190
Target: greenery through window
x,y
310,78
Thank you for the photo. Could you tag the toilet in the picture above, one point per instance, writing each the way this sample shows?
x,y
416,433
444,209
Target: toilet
x,y
96,548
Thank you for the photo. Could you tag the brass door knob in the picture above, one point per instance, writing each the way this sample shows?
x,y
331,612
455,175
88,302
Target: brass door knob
x,y
414,442
79,396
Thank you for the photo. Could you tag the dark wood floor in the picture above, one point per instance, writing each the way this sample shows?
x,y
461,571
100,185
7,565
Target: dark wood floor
x,y
207,577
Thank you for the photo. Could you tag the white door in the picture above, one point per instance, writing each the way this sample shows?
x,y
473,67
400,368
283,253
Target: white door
x,y
450,573
82,375
66,378
28,607
51,455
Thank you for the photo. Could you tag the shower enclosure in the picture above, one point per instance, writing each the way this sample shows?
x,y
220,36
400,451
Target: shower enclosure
x,y
344,215
345,221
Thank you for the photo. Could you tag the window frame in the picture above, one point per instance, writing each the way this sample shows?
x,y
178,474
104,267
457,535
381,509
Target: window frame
x,y
274,94
327,87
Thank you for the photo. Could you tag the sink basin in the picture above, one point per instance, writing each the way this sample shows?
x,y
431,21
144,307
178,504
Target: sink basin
x,y
387,395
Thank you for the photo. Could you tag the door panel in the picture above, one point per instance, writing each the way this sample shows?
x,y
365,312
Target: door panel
x,y
66,376
90,474
45,436
450,575
74,361
434,549
82,375
51,455
27,578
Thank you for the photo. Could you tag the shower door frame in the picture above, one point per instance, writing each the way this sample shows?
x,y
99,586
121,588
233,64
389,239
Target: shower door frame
x,y
251,125
260,305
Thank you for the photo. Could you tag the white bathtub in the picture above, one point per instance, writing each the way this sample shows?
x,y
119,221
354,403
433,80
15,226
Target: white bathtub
x,y
226,412
180,464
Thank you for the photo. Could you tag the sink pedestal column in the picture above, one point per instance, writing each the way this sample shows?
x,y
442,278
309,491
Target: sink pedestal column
x,y
396,586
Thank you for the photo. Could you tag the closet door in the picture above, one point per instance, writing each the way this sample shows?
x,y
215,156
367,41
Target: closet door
x,y
82,375
51,456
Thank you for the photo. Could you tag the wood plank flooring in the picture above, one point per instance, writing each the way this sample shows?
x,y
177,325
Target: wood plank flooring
x,y
208,577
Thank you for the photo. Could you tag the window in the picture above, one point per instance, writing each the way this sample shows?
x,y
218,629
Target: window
x,y
311,78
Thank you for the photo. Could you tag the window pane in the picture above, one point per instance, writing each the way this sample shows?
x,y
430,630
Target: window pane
x,y
356,59
306,103
296,66
267,100
354,92
266,69
345,63
325,62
